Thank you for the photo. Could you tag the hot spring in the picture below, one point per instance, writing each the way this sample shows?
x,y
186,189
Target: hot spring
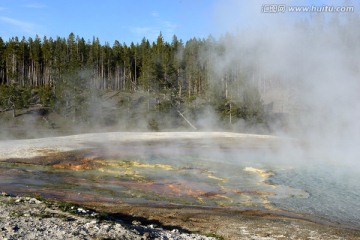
x,y
211,170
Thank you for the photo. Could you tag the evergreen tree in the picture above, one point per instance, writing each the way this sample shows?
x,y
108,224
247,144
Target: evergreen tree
x,y
2,62
179,73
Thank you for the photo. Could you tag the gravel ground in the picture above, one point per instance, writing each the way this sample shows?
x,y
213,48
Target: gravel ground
x,y
30,218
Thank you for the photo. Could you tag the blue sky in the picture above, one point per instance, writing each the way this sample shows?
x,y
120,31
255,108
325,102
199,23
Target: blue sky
x,y
130,20
109,20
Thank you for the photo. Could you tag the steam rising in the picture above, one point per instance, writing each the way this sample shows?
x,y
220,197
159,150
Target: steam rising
x,y
314,61
306,65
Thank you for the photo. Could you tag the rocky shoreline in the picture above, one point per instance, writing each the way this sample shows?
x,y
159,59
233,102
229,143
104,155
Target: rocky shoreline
x,y
25,217
31,218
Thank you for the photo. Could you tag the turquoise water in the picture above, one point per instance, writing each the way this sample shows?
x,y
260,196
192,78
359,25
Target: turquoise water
x,y
334,192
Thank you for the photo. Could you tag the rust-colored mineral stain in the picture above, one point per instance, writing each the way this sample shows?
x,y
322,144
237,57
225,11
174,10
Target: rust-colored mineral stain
x,y
86,163
119,177
179,189
167,189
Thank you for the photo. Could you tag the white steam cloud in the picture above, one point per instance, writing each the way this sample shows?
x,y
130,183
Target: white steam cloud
x,y
314,60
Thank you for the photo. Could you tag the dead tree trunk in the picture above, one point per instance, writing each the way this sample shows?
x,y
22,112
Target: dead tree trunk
x,y
12,104
186,120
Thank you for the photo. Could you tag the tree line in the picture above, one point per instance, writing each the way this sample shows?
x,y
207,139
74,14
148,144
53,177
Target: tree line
x,y
184,71
152,66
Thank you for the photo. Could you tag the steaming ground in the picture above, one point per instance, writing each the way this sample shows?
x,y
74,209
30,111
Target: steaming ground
x,y
223,221
29,148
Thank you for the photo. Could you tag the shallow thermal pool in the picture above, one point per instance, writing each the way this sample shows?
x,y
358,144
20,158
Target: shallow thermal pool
x,y
190,175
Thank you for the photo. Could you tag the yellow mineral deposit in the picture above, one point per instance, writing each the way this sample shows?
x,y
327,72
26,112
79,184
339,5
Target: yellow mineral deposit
x,y
260,172
212,176
136,164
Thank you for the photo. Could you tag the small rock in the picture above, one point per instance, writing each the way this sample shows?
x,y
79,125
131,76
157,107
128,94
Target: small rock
x,y
93,214
90,224
105,226
34,201
81,210
16,228
146,236
136,222
70,219
4,194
